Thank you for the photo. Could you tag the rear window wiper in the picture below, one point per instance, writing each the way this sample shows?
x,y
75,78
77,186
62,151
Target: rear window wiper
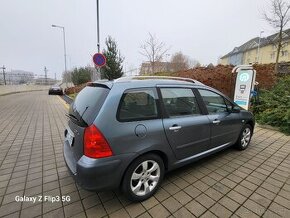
x,y
73,117
80,122
85,111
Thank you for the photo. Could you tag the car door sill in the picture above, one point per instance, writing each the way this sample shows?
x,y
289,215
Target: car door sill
x,y
200,155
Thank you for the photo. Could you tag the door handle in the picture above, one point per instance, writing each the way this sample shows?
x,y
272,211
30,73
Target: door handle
x,y
216,121
175,128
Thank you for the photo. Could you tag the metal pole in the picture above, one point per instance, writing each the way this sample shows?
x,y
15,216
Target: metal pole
x,y
98,38
98,27
45,75
258,55
64,48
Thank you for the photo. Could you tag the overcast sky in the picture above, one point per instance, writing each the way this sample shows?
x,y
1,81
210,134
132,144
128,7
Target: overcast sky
x,y
203,30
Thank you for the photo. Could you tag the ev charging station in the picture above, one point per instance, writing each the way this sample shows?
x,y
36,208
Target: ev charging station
x,y
245,83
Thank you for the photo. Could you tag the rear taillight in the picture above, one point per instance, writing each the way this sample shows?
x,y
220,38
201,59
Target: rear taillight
x,y
95,144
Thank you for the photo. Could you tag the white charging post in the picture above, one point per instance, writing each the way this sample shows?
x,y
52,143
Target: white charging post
x,y
245,82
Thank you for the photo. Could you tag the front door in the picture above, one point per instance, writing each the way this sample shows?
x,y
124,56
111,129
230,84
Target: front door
x,y
225,125
187,130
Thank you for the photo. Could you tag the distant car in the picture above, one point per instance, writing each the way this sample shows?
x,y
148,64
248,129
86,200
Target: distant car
x,y
127,133
55,90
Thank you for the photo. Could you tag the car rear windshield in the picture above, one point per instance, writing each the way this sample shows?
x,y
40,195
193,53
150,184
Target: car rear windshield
x,y
88,104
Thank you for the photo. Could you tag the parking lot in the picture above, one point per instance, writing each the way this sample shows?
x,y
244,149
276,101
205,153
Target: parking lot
x,y
252,183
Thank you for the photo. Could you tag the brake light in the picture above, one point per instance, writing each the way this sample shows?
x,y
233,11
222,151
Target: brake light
x,y
95,144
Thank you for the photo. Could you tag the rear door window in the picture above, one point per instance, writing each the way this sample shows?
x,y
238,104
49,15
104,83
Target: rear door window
x,y
138,105
179,102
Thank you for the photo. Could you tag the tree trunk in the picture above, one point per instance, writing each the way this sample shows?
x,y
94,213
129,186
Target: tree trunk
x,y
277,59
278,51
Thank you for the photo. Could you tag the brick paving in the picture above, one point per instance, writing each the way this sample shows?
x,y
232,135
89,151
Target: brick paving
x,y
252,183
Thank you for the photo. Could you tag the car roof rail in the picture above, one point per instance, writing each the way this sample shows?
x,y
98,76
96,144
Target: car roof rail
x,y
159,77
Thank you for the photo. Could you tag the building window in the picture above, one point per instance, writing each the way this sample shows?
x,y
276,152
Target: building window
x,y
272,56
284,53
273,47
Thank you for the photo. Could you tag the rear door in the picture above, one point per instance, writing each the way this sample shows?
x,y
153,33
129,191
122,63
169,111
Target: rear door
x,y
187,130
225,126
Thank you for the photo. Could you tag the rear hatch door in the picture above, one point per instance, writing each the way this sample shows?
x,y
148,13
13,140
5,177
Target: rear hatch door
x,y
82,114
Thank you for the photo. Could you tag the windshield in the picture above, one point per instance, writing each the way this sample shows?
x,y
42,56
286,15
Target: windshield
x,y
87,104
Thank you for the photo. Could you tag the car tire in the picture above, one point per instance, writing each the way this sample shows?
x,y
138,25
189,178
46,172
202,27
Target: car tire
x,y
148,172
245,137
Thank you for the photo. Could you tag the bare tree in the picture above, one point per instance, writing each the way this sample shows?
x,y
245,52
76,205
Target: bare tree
x,y
179,62
153,50
194,63
278,18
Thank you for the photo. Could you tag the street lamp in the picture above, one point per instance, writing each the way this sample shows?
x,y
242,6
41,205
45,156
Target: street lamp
x,y
258,54
64,48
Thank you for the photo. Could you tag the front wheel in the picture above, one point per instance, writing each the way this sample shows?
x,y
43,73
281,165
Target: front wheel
x,y
245,137
143,177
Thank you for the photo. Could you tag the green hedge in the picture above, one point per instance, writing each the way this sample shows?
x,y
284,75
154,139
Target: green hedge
x,y
274,106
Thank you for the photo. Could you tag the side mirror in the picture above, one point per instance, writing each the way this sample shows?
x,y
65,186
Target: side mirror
x,y
235,109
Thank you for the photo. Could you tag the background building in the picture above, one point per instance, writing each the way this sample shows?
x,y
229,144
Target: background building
x,y
15,77
249,52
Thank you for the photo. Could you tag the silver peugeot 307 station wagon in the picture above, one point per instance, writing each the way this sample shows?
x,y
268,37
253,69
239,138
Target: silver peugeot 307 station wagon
x,y
128,132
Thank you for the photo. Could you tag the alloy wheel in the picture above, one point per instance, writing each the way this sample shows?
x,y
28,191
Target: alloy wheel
x,y
246,137
145,177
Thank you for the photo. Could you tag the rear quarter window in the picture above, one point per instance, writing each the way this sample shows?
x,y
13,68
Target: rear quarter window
x,y
138,105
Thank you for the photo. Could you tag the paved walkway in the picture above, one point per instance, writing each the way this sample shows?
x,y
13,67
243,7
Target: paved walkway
x,y
252,183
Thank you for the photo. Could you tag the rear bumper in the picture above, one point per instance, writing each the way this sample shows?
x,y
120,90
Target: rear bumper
x,y
97,174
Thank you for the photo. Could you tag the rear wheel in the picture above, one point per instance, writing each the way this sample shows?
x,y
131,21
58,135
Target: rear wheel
x,y
245,137
143,177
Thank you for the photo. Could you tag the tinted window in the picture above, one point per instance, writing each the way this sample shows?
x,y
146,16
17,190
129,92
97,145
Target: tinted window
x,y
214,102
179,102
88,103
138,105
